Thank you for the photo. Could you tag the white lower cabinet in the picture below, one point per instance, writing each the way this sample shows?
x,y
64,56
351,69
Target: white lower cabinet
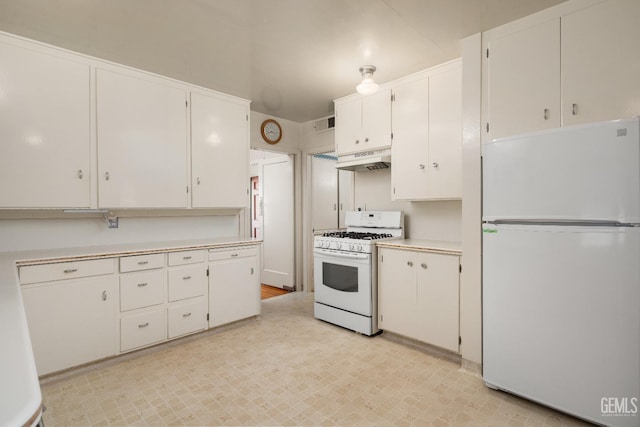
x,y
234,285
142,328
187,316
418,296
71,322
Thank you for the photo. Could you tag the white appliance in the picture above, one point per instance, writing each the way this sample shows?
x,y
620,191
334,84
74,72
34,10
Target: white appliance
x,y
365,160
345,274
561,269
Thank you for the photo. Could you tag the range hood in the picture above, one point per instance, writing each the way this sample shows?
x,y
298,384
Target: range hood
x,y
365,161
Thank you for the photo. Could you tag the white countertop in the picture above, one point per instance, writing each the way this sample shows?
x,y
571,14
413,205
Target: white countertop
x,y
20,396
447,248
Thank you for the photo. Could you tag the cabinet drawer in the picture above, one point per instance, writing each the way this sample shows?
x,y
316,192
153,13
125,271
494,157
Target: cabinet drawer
x,y
187,257
139,290
186,282
66,270
141,329
141,262
231,253
186,317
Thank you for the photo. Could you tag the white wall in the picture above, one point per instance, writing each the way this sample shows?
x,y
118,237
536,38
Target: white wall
x,y
47,233
432,220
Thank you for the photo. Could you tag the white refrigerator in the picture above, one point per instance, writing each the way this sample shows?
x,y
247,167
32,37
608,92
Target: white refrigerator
x,y
561,269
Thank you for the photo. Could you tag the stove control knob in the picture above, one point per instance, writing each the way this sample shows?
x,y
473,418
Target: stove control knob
x,y
324,245
360,248
351,246
318,244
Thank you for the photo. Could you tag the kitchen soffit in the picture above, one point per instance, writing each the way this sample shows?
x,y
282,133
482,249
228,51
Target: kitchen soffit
x,y
290,57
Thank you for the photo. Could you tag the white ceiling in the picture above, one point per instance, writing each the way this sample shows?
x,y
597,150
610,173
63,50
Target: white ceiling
x,y
290,57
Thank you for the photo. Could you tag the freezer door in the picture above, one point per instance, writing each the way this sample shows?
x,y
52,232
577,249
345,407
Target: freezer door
x,y
589,172
561,317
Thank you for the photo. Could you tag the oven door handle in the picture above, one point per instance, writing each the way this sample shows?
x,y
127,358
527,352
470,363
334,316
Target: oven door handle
x,y
342,254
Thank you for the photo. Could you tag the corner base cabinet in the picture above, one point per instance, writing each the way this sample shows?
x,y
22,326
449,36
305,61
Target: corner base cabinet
x,y
72,321
418,296
234,284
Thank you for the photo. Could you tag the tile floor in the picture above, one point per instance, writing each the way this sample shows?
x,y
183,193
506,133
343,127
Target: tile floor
x,y
284,368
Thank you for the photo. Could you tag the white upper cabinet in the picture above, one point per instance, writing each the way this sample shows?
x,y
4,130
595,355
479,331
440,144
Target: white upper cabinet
x,y
427,136
46,129
219,152
523,80
600,62
142,142
363,123
410,149
571,64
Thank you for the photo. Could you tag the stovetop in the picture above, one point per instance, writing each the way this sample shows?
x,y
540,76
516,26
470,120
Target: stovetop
x,y
357,235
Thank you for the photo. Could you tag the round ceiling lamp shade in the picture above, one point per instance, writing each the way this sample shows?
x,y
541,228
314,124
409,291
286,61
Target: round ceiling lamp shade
x,y
367,86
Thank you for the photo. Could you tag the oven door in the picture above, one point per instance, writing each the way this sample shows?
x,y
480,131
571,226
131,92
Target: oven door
x,y
343,280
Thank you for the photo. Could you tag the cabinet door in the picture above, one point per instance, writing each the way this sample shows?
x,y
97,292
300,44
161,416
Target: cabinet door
x,y
46,137
234,290
437,314
410,112
600,63
445,135
397,292
71,322
142,143
376,120
524,80
348,133
219,152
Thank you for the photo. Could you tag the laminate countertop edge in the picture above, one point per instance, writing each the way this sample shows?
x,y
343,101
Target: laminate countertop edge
x,y
433,246
20,395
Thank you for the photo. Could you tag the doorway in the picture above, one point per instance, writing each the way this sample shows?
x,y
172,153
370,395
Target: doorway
x,y
272,216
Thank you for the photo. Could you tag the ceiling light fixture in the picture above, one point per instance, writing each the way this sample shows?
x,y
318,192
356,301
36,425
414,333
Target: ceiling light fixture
x,y
367,86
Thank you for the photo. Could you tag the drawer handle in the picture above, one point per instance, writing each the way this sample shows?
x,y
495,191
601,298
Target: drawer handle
x,y
104,295
140,285
143,262
71,270
252,271
143,325
186,278
234,255
186,257
424,265
186,315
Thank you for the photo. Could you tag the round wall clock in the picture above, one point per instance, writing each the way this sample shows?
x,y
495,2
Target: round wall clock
x,y
271,131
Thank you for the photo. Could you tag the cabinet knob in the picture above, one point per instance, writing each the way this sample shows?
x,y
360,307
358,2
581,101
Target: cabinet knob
x,y
423,265
546,114
198,181
574,109
366,140
80,174
357,141
410,263
252,271
434,164
421,166
106,176
143,325
104,295
186,315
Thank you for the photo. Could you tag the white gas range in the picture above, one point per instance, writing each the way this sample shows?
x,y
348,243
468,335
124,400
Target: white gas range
x,y
345,272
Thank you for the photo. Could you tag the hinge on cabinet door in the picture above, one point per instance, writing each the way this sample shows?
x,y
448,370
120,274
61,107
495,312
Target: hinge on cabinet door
x,y
393,97
487,52
187,189
487,126
186,103
381,317
392,136
394,190
459,340
381,258
207,316
207,275
247,117
460,268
